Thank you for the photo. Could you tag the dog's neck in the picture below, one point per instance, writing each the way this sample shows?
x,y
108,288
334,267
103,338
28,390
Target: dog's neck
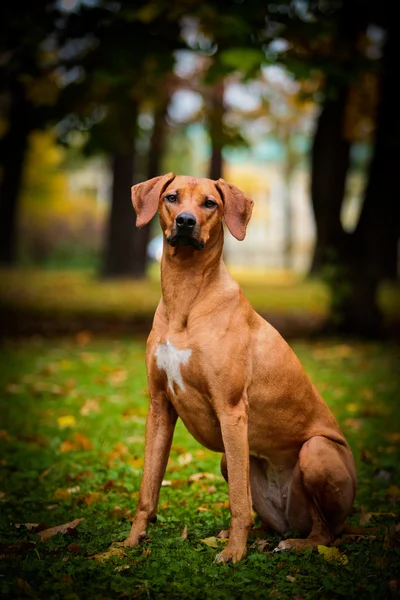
x,y
187,275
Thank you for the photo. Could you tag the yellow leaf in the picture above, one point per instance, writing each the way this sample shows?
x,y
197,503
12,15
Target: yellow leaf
x,y
66,421
210,541
352,407
333,554
113,552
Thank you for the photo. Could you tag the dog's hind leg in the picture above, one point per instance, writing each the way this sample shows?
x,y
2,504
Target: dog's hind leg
x,y
321,493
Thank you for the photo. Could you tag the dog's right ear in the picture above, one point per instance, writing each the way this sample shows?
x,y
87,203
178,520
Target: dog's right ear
x,y
146,196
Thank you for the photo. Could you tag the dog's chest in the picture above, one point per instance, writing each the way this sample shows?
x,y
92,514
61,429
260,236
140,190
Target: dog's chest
x,y
170,360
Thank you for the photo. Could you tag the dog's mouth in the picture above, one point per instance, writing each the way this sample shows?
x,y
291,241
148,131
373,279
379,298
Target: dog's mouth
x,y
180,239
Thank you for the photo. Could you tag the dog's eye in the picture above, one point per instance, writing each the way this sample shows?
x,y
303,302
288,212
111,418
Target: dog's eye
x,y
210,204
171,198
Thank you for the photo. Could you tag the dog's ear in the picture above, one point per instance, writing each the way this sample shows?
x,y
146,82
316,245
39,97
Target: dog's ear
x,y
146,196
237,208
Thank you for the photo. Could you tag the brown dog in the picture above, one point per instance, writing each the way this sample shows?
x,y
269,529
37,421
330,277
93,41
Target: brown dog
x,y
233,380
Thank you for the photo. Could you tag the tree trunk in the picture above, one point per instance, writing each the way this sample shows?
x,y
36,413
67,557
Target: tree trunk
x,y
330,159
13,151
380,215
119,256
216,113
157,143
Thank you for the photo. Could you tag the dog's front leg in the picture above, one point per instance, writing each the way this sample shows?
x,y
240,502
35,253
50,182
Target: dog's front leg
x,y
234,428
160,424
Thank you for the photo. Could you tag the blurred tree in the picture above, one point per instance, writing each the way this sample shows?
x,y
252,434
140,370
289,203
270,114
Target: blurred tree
x,y
330,39
128,53
29,89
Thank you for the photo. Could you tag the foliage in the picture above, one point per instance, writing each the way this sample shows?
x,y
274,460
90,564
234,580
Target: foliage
x,y
72,448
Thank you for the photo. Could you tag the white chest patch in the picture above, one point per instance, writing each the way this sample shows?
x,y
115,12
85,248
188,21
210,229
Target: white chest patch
x,y
170,359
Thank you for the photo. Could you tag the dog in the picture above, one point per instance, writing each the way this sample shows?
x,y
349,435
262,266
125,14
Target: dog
x,y
235,383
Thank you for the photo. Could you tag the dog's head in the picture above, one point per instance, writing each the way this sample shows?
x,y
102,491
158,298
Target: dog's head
x,y
191,209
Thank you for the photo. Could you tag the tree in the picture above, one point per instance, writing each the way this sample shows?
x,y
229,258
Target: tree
x,y
29,91
128,54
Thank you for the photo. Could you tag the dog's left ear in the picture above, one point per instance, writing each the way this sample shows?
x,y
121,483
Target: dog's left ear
x,y
146,196
237,208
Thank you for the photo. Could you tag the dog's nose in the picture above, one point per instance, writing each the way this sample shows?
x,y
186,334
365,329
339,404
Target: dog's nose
x,y
185,221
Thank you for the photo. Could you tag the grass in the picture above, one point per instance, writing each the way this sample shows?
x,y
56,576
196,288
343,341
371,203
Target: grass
x,y
71,446
67,293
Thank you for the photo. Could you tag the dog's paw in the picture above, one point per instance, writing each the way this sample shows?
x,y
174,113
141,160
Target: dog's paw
x,y
284,546
133,540
229,555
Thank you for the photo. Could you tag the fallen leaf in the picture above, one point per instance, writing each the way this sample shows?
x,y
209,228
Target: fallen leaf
x,y
75,549
113,552
260,545
211,541
66,578
118,377
184,533
365,516
290,578
136,462
78,442
4,435
89,498
29,526
45,472
23,586
166,483
199,476
63,494
366,457
91,405
122,568
185,459
66,528
202,509
333,553
83,338
66,421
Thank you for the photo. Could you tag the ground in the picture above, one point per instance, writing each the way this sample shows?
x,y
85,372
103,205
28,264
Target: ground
x,y
71,445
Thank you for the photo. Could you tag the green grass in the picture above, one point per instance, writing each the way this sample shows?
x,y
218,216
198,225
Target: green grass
x,y
71,446
66,293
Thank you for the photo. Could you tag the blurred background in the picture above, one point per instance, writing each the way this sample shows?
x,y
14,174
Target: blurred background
x,y
295,102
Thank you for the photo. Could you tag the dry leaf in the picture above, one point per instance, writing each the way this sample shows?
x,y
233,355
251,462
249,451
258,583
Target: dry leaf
x,y
185,459
184,533
89,498
290,578
90,405
199,476
211,541
66,421
78,442
64,529
365,516
23,586
260,545
333,554
113,552
4,435
64,494
202,509
166,483
29,526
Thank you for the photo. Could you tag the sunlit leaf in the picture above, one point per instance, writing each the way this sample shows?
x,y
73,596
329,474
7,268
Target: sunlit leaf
x,y
66,421
113,552
333,553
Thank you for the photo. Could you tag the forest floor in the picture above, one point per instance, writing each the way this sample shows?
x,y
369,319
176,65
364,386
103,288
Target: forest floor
x,y
71,444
